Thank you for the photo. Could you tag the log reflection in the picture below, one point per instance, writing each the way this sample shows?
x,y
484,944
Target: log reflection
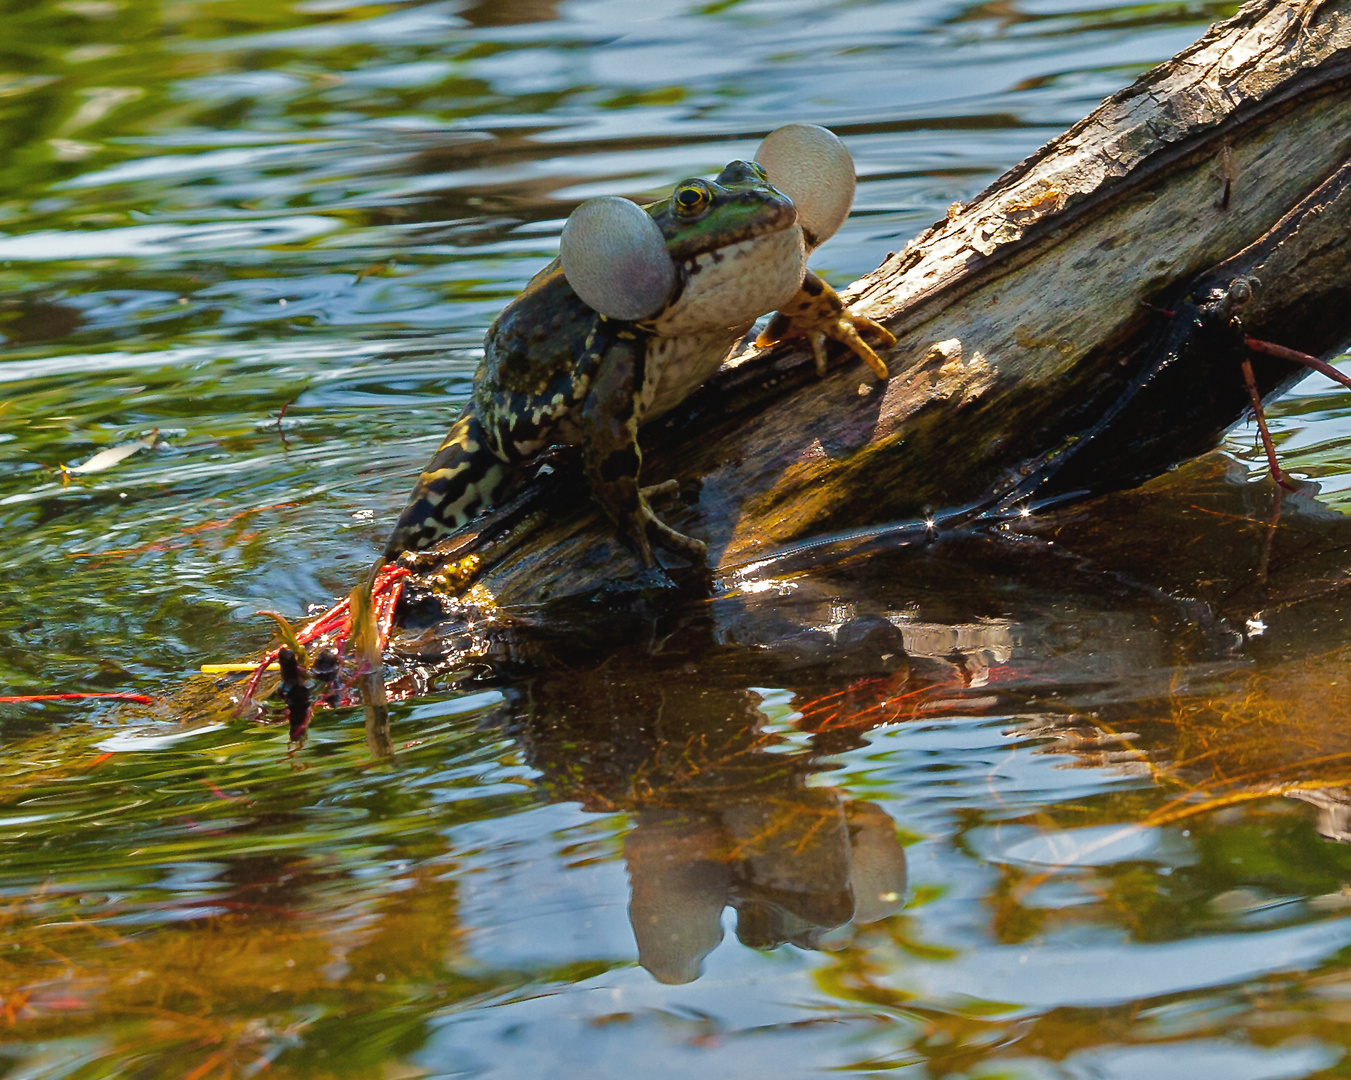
x,y
1256,704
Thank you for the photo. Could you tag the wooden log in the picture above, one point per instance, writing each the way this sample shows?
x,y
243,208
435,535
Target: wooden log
x,y
1030,366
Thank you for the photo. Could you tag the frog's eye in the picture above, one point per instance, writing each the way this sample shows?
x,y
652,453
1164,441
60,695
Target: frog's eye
x,y
692,198
614,257
813,168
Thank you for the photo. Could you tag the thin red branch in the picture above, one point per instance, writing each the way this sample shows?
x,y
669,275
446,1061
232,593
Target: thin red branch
x,y
1297,357
1255,396
110,695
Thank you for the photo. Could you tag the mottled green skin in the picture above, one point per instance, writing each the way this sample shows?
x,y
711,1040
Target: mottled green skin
x,y
555,371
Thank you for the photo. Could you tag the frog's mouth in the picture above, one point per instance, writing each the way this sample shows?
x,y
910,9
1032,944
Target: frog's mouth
x,y
734,283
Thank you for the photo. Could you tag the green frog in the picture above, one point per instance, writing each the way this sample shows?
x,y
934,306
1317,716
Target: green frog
x,y
641,307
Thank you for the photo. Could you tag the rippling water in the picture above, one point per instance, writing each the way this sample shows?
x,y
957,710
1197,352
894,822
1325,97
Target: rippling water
x,y
982,810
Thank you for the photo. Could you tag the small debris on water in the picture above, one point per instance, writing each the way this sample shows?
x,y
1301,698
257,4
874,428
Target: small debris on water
x,y
106,459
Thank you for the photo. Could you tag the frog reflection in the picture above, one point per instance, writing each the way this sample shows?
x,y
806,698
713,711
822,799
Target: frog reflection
x,y
724,811
794,869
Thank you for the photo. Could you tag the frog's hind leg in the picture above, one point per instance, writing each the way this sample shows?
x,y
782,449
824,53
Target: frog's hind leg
x,y
457,485
818,313
609,422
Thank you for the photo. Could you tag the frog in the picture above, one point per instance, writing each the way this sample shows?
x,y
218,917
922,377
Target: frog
x,y
640,308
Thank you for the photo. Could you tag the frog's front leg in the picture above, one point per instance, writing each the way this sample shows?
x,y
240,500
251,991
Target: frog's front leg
x,y
458,484
609,422
818,313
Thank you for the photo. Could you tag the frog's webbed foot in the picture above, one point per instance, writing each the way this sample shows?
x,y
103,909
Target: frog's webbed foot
x,y
817,313
663,490
627,505
644,528
645,522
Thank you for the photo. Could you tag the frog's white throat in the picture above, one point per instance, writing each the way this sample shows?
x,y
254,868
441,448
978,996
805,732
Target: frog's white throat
x,y
732,286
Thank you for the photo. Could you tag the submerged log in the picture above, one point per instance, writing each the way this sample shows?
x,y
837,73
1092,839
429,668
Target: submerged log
x,y
1043,351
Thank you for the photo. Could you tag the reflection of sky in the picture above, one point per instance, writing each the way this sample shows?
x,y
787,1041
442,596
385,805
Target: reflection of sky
x,y
1103,969
522,905
689,1031
144,241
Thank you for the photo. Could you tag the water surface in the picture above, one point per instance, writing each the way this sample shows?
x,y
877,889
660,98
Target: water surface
x,y
1060,804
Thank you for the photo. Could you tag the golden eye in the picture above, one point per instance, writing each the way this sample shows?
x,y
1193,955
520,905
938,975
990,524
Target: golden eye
x,y
759,170
692,197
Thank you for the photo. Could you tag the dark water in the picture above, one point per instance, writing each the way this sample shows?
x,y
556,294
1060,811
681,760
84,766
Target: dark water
x,y
1050,805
